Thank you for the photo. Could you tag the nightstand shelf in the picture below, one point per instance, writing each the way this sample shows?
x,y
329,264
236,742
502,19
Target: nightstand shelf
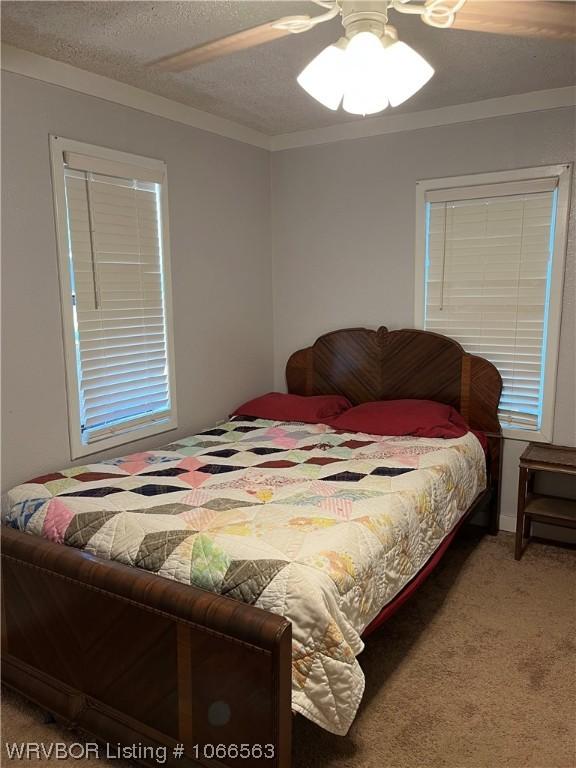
x,y
543,508
551,510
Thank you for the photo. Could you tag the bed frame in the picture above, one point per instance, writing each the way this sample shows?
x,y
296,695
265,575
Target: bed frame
x,y
136,659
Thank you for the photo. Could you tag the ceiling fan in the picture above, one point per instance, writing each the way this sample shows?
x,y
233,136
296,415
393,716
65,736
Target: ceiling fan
x,y
369,68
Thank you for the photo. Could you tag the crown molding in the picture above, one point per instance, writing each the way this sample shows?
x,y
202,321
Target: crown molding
x,y
411,121
32,65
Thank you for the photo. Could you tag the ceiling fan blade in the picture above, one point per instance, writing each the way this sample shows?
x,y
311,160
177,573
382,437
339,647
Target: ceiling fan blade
x,y
531,18
239,41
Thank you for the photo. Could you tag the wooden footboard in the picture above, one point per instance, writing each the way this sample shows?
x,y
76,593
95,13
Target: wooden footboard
x,y
138,659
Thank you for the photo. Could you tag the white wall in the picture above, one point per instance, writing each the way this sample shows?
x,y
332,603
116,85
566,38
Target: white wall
x,y
343,235
219,226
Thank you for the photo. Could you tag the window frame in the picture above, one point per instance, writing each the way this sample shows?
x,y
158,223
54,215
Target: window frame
x,y
563,172
78,449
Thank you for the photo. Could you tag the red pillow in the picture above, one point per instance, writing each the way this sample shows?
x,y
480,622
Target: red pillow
x,y
281,407
420,418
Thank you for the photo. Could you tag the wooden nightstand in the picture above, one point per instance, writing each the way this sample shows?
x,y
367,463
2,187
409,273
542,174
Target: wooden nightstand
x,y
539,507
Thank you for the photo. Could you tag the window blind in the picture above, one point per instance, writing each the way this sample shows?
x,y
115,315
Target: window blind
x,y
487,283
115,250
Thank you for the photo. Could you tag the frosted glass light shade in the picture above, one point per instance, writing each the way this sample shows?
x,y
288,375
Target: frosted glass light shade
x,y
366,73
364,63
323,78
406,72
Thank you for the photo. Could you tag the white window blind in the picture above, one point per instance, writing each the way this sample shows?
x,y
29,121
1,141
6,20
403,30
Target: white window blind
x,y
118,294
488,264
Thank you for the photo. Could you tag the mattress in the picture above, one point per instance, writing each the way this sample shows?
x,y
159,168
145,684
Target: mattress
x,y
322,527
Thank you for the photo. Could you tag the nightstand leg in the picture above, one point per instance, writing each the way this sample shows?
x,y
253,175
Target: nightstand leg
x,y
527,531
520,518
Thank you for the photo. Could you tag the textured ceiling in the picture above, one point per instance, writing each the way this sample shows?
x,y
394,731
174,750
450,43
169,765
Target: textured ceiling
x,y
258,87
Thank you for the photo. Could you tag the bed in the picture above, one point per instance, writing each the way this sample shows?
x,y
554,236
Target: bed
x,y
264,552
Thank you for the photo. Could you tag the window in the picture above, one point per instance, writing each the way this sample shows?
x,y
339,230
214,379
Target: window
x,y
489,273
115,288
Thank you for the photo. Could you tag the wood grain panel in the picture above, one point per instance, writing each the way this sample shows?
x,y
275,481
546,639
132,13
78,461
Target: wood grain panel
x,y
366,365
347,363
484,395
100,642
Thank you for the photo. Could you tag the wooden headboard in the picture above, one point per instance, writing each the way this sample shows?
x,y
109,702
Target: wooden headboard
x,y
368,365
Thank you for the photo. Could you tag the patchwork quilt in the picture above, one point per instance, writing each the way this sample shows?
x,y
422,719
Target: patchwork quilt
x,y
322,527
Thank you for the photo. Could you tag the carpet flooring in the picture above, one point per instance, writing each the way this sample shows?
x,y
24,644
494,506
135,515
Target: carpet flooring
x,y
478,670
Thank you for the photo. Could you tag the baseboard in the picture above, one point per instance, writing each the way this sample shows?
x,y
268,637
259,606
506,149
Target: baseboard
x,y
507,523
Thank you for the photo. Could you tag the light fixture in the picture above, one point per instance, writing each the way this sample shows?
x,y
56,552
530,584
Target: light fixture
x,y
366,70
364,85
408,71
323,78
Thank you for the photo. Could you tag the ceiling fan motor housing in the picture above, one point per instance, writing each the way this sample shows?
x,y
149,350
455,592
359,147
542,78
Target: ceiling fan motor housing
x,y
366,16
